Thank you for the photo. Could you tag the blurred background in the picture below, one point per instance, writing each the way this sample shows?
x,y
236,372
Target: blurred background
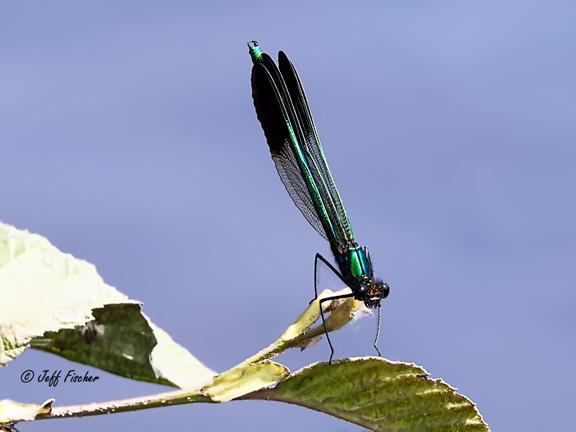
x,y
128,138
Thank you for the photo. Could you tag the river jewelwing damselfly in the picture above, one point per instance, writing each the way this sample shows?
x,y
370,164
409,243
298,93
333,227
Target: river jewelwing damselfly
x,y
284,114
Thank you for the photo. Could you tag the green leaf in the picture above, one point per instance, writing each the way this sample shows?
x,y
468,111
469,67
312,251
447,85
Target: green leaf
x,y
123,341
54,302
302,334
240,381
12,412
380,395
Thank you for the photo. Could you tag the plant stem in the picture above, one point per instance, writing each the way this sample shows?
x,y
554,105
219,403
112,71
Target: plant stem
x,y
176,397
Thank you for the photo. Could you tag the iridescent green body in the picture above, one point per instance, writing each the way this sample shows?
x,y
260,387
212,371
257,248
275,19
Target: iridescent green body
x,y
295,147
360,265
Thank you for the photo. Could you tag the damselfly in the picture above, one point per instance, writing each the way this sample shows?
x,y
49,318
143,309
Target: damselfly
x,y
284,114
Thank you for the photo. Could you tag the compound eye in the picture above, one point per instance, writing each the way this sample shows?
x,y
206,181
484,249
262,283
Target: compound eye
x,y
385,290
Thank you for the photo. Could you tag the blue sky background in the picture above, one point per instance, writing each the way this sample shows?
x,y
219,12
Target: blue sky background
x,y
129,139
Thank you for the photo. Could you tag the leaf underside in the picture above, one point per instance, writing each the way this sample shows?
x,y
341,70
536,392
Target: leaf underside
x,y
55,302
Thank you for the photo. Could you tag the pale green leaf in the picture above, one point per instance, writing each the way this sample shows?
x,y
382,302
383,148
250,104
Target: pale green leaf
x,y
302,333
52,301
240,381
13,412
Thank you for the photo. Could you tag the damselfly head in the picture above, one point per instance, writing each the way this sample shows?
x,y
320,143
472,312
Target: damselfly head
x,y
373,292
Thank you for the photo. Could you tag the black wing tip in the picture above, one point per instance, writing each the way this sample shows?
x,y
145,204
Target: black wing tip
x,y
267,106
286,66
283,60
